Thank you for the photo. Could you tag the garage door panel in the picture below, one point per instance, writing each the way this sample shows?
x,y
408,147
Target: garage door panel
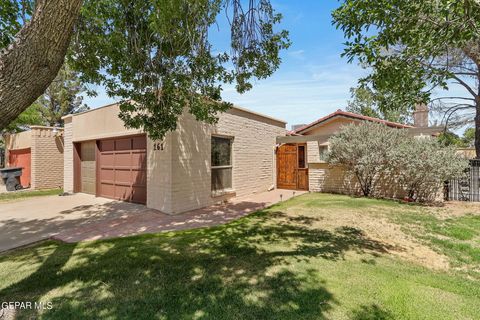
x,y
123,159
107,175
22,158
139,195
138,158
139,143
106,189
123,192
108,160
139,177
123,144
122,169
107,145
123,177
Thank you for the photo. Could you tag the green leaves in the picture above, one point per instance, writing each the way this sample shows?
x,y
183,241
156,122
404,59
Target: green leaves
x,y
157,55
412,47
375,153
13,14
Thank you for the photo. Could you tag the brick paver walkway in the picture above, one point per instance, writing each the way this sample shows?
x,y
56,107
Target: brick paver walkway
x,y
144,220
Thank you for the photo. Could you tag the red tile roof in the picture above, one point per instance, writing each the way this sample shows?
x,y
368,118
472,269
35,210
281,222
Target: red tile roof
x,y
353,116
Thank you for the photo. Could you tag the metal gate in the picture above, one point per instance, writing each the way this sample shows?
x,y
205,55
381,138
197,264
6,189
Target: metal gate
x,y
468,187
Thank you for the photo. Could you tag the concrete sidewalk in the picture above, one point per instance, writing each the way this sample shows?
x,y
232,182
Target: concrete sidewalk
x,y
152,221
82,217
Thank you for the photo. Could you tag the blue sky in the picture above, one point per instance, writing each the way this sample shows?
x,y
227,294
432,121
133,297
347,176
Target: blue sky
x,y
313,79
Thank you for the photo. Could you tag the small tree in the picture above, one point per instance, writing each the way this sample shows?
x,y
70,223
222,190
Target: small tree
x,y
364,150
423,164
62,97
366,102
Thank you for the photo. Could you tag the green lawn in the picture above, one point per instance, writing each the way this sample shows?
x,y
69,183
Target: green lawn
x,y
18,195
306,258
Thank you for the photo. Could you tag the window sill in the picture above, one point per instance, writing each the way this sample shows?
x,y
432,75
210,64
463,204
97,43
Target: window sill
x,y
221,193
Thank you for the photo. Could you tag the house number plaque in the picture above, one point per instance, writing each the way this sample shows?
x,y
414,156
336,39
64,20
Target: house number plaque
x,y
159,146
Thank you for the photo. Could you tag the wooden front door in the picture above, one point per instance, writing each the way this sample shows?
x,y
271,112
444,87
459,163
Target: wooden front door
x,y
292,171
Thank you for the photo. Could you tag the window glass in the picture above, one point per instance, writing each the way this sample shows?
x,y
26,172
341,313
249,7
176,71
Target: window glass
x,y
221,151
221,164
301,157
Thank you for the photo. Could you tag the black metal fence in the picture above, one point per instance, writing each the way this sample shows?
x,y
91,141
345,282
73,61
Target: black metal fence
x,y
2,157
467,188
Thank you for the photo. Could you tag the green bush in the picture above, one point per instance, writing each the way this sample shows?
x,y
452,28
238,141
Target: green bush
x,y
423,164
373,152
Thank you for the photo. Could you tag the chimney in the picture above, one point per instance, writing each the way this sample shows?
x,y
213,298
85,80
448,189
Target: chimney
x,y
420,116
297,126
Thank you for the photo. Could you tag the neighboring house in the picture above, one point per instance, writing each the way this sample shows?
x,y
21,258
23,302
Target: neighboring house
x,y
301,162
39,151
195,166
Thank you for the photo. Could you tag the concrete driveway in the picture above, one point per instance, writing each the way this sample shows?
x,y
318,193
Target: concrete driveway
x,y
30,220
81,217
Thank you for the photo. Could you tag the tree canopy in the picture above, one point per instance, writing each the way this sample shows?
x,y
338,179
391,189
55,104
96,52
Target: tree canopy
x,y
62,97
156,56
414,48
364,101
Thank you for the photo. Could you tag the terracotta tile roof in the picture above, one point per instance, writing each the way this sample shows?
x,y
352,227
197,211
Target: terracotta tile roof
x,y
352,116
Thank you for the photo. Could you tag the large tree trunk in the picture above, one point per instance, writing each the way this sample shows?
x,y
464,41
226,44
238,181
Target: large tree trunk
x,y
31,62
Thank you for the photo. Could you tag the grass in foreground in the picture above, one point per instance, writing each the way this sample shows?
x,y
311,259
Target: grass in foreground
x,y
18,195
276,264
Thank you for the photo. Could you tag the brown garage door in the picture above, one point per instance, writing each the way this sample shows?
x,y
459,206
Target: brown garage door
x,y
87,167
122,169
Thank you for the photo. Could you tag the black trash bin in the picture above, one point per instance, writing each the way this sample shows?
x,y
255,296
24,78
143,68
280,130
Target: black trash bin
x,y
11,177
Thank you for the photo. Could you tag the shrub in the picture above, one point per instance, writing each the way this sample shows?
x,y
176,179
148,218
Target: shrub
x,y
373,152
423,164
364,150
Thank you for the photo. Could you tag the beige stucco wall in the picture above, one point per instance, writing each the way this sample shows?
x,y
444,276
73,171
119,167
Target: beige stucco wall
x,y
179,176
331,126
99,123
47,158
16,141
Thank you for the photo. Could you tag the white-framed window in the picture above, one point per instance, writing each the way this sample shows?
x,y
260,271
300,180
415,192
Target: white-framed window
x,y
222,168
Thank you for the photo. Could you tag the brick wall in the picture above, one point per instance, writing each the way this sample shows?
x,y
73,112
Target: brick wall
x,y
253,157
179,176
47,158
68,156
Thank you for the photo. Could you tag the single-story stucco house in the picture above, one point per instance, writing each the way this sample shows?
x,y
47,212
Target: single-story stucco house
x,y
195,166
39,151
301,163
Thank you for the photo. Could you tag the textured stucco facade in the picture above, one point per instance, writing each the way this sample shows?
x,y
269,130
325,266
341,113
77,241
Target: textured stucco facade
x,y
47,148
179,175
